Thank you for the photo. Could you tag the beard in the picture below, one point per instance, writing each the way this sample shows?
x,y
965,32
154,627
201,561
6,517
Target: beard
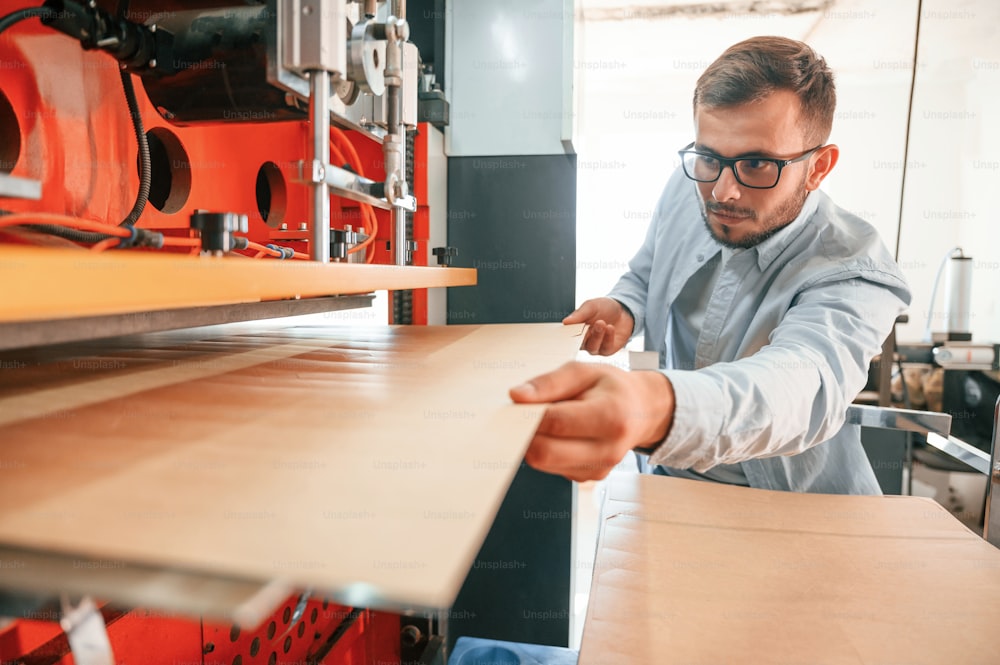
x,y
783,215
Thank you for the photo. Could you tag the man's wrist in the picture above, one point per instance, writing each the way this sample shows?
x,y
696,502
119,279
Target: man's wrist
x,y
625,308
658,409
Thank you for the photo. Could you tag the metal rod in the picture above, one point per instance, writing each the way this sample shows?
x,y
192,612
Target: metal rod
x,y
904,419
319,122
991,520
394,146
399,236
394,116
961,451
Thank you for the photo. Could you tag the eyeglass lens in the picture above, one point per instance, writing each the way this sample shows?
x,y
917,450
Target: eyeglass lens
x,y
752,172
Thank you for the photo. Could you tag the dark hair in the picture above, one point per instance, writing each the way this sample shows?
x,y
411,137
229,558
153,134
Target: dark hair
x,y
753,69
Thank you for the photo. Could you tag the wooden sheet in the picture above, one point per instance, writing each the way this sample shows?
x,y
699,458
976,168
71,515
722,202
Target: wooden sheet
x,y
46,283
699,573
367,463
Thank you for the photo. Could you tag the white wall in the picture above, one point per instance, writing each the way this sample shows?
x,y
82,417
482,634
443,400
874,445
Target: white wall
x,y
508,77
951,197
635,72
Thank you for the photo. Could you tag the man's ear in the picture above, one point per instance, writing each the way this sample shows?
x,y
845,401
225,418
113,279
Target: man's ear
x,y
821,164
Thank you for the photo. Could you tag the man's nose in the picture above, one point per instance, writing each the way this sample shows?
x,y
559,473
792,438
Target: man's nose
x,y
726,187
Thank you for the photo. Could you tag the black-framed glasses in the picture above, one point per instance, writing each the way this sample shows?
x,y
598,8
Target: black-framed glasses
x,y
753,172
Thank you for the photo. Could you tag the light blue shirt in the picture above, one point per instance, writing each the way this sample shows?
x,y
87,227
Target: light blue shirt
x,y
784,345
687,316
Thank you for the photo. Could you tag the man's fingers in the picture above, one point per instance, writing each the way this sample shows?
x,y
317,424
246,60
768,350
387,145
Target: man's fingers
x,y
573,419
576,460
594,338
564,383
609,345
582,314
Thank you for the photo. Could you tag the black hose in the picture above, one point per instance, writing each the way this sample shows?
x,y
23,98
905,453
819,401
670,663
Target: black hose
x,y
67,232
26,13
145,165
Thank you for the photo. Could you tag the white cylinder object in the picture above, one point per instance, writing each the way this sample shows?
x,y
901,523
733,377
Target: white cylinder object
x,y
956,357
958,288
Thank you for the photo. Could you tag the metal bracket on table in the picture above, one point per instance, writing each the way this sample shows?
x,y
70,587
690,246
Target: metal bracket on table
x,y
937,427
86,632
923,422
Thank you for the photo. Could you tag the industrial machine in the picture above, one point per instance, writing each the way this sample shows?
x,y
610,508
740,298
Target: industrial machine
x,y
271,130
151,137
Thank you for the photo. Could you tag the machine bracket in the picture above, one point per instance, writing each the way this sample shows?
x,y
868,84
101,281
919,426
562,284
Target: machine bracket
x,y
87,634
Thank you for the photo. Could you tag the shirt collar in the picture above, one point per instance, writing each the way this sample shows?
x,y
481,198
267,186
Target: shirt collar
x,y
768,250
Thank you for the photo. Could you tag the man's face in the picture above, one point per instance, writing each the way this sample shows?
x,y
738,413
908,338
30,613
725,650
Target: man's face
x,y
739,216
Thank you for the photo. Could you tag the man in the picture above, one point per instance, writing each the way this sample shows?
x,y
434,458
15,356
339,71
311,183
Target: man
x,y
765,301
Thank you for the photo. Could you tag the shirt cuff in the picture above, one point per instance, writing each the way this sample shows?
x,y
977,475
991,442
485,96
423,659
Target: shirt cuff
x,y
699,405
631,305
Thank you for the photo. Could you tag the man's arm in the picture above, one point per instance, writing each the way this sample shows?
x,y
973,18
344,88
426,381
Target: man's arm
x,y
791,394
788,396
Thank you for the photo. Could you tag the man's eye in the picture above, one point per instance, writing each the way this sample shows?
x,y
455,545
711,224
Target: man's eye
x,y
756,164
708,161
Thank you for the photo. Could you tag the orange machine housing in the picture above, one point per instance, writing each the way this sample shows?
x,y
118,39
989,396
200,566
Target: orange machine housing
x,y
64,122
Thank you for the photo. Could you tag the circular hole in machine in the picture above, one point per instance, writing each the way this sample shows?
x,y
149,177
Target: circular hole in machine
x,y
272,195
10,135
170,173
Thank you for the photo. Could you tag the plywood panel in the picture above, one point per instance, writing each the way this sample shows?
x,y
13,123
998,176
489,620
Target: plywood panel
x,y
701,573
57,283
364,462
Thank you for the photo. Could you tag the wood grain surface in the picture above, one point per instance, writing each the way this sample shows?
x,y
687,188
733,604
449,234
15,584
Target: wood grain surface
x,y
41,284
364,462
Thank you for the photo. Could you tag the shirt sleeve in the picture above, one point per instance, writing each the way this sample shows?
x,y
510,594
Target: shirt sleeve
x,y
791,394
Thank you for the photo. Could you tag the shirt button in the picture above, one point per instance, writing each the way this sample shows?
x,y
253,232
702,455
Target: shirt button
x,y
700,257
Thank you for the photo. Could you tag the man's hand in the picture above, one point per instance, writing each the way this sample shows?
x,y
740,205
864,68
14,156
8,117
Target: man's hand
x,y
609,325
598,413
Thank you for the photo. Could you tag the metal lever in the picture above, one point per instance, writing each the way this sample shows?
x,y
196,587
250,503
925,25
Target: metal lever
x,y
991,520
937,427
909,420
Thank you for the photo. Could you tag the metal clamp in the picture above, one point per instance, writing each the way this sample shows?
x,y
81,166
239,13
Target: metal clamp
x,y
86,632
351,186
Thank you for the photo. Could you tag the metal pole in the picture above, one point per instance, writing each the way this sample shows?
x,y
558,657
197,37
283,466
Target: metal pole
x,y
394,144
991,520
319,122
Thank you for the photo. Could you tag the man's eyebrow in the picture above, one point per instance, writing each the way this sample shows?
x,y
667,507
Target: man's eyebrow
x,y
752,153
